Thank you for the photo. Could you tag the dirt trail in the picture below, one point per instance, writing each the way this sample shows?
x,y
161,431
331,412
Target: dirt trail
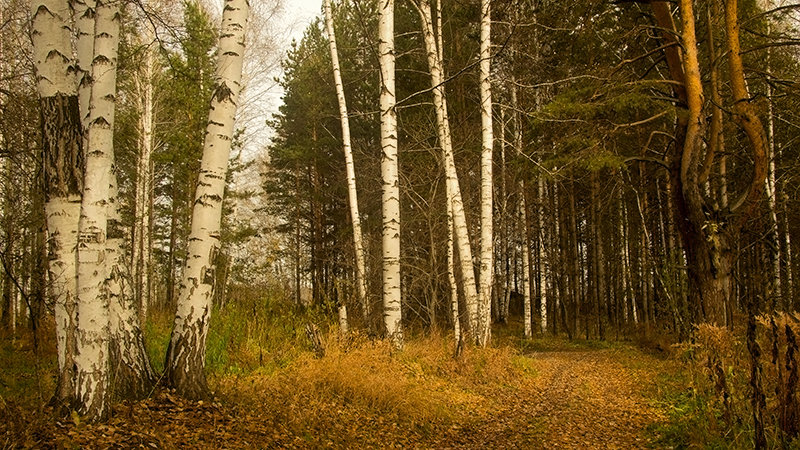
x,y
579,399
563,399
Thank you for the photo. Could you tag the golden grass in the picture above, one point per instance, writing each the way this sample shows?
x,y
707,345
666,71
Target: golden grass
x,y
422,384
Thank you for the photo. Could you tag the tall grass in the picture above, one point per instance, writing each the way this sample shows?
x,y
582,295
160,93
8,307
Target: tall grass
x,y
715,410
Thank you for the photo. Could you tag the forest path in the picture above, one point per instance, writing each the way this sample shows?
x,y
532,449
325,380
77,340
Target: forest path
x,y
577,399
566,397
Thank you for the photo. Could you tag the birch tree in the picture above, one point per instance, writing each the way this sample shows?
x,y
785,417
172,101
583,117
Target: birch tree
x,y
186,352
487,186
141,254
434,57
352,193
389,175
63,167
92,337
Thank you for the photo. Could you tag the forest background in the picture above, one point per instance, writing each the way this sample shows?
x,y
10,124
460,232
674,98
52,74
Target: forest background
x,y
633,197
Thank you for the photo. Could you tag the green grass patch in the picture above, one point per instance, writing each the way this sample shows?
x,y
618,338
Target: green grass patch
x,y
157,329
26,378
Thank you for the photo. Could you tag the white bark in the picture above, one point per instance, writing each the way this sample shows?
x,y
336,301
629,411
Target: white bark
x,y
133,377
487,185
434,57
63,165
542,256
451,277
526,265
84,13
141,254
91,359
352,193
787,242
186,353
389,174
770,189
52,52
522,213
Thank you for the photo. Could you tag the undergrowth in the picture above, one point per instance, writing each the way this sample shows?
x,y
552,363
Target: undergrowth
x,y
709,401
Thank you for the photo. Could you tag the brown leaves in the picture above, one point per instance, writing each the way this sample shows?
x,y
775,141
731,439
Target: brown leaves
x,y
491,398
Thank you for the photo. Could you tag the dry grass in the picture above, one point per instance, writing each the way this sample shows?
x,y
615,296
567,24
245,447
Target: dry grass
x,y
422,385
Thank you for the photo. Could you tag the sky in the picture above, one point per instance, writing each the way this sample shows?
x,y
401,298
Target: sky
x,y
303,11
262,94
289,25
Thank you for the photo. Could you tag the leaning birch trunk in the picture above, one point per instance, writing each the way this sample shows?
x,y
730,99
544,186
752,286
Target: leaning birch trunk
x,y
62,152
361,280
452,185
389,173
487,236
185,358
91,357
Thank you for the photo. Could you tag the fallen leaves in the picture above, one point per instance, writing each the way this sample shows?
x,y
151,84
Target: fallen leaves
x,y
578,399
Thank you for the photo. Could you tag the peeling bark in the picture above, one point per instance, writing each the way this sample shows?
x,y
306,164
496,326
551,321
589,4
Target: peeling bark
x,y
92,343
185,359
62,157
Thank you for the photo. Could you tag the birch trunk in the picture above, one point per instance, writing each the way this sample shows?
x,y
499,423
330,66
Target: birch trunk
x,y
506,267
453,189
770,188
389,174
522,212
92,343
542,257
451,277
62,154
526,265
133,377
352,193
186,352
487,145
141,255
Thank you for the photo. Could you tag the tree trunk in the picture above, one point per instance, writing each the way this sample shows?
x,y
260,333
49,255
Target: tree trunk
x,y
361,280
141,252
91,359
132,377
185,359
461,230
527,309
389,173
451,277
487,185
708,233
62,156
542,256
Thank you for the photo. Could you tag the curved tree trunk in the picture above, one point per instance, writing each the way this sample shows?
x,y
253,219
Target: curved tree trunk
x,y
389,173
707,231
186,353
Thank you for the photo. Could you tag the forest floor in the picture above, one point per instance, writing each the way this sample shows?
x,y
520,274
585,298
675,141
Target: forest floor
x,y
533,394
